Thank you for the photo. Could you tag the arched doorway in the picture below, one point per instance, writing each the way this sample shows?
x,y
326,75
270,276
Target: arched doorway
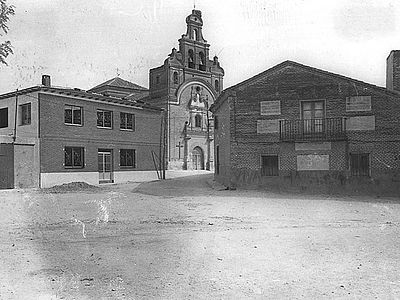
x,y
198,159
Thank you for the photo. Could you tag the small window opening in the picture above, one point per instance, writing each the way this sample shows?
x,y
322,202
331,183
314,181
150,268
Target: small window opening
x,y
217,85
202,64
191,59
176,78
197,121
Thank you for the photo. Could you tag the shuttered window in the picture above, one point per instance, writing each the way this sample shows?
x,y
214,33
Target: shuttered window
x,y
269,165
3,117
359,164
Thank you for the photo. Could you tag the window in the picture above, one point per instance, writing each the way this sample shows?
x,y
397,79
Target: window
x,y
176,79
269,165
195,34
127,158
359,164
104,118
73,115
216,122
127,121
217,85
197,121
312,113
3,117
74,157
157,79
191,59
25,114
202,64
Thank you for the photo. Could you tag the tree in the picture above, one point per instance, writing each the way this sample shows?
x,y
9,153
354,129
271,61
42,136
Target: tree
x,y
5,12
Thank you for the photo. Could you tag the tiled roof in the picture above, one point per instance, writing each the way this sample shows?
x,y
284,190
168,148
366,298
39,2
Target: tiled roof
x,y
83,94
137,96
287,63
120,83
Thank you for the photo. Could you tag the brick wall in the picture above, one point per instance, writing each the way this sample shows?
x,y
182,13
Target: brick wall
x,y
55,134
291,85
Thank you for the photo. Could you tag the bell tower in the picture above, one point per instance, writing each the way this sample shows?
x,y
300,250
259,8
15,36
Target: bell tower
x,y
192,45
186,85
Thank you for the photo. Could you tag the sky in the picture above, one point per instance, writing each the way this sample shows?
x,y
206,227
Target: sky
x,y
84,43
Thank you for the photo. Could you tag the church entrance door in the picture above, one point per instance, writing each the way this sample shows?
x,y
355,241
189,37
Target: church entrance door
x,y
198,159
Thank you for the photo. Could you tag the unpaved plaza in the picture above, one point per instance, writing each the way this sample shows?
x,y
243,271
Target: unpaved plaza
x,y
186,238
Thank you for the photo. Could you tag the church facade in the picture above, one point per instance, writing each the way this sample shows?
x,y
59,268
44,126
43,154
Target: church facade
x,y
185,86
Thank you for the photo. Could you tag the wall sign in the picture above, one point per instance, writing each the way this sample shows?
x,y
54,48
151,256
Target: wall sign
x,y
312,162
269,108
312,146
267,126
358,103
361,123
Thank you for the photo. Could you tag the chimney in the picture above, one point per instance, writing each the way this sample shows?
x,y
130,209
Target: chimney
x,y
46,80
393,71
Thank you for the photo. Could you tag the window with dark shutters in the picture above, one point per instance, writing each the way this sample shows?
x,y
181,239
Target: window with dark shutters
x,y
4,117
359,164
269,165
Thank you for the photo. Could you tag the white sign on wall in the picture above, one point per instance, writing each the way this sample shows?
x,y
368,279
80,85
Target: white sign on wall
x,y
269,108
312,162
360,123
312,146
267,126
358,103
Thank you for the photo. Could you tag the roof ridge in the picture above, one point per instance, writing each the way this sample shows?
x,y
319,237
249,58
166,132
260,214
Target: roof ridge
x,y
314,69
119,83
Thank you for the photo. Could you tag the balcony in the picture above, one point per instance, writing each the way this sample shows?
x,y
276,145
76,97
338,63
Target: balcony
x,y
199,131
202,68
329,129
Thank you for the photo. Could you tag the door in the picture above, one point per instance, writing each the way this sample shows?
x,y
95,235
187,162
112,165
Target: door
x,y
198,159
313,114
105,166
6,166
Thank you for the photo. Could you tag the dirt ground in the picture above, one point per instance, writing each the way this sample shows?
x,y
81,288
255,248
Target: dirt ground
x,y
187,238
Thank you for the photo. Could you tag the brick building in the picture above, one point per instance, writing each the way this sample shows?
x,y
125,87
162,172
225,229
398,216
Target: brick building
x,y
298,125
186,85
51,135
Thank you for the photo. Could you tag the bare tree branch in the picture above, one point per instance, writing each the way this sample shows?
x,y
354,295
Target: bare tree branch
x,y
5,12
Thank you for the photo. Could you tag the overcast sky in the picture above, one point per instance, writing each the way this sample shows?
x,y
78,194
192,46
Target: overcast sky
x,y
83,43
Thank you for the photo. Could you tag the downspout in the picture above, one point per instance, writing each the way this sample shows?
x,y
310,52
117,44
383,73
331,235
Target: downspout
x,y
39,144
169,117
15,117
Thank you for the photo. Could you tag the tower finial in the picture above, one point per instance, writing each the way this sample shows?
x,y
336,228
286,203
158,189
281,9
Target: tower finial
x,y
194,4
